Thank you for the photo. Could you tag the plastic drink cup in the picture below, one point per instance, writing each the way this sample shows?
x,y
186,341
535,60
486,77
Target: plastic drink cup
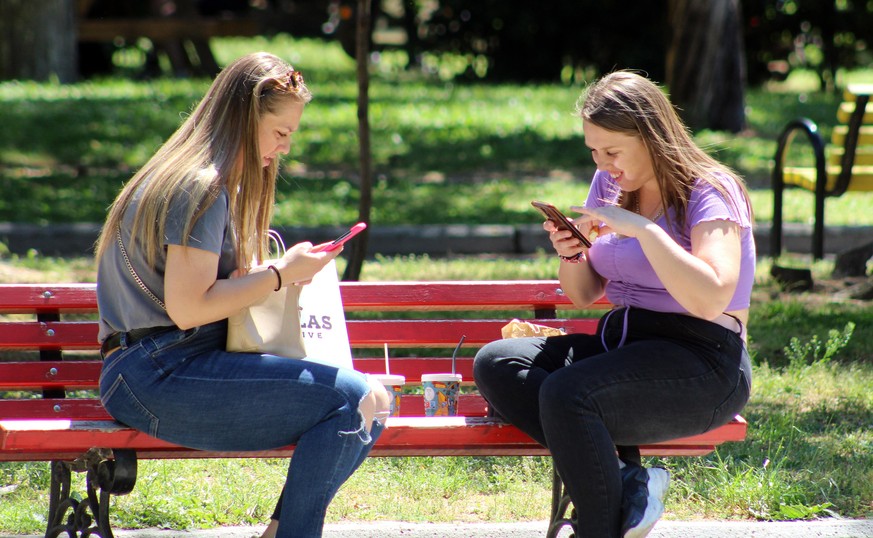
x,y
441,394
394,384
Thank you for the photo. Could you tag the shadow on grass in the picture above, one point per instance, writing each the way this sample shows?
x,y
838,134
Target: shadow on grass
x,y
808,457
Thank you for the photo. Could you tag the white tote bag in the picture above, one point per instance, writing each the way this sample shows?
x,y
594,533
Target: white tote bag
x,y
323,320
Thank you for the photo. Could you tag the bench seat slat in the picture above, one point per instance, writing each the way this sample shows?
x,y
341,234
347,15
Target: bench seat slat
x,y
471,406
378,451
20,439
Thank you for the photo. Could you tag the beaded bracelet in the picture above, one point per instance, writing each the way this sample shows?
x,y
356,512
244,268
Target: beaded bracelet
x,y
278,276
577,258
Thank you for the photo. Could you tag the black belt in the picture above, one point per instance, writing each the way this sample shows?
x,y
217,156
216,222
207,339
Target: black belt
x,y
130,337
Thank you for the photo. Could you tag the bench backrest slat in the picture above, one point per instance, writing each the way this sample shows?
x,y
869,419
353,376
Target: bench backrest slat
x,y
48,335
83,374
362,333
455,295
440,333
357,296
40,375
27,298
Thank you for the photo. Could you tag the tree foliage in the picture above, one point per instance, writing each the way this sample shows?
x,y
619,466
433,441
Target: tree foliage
x,y
535,41
524,41
823,35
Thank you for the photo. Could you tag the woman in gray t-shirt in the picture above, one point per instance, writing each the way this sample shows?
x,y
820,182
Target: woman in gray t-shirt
x,y
184,247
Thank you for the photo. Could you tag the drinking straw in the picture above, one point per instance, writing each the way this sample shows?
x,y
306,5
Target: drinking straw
x,y
455,353
387,368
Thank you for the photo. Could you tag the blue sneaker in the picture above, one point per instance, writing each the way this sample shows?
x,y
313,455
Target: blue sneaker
x,y
642,501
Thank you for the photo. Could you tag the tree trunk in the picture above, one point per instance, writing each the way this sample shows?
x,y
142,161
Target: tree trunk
x,y
38,40
362,54
706,64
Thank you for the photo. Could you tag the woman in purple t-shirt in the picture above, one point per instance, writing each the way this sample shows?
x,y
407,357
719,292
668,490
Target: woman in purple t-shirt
x,y
674,253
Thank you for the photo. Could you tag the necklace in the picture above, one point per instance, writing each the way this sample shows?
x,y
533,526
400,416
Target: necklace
x,y
639,211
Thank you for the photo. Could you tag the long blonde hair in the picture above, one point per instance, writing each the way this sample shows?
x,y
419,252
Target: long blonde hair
x,y
215,148
628,103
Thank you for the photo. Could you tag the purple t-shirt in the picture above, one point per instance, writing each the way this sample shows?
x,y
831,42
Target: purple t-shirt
x,y
631,280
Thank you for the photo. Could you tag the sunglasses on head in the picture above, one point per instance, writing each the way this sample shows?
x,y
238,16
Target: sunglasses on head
x,y
295,80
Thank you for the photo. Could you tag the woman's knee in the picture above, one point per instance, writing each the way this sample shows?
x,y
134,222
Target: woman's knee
x,y
376,404
381,397
561,394
482,362
489,359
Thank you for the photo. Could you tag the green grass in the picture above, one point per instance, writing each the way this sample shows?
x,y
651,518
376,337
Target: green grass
x,y
479,152
808,451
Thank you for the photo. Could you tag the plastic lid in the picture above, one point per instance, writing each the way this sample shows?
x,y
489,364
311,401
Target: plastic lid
x,y
390,379
441,377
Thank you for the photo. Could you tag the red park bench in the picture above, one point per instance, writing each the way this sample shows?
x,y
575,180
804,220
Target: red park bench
x,y
49,368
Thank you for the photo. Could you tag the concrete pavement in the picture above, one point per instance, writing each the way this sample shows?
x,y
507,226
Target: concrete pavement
x,y
827,528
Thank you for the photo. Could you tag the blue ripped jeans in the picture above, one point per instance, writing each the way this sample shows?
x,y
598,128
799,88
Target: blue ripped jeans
x,y
183,387
644,377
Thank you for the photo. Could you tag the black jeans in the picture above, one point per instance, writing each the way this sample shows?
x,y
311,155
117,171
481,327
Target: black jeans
x,y
644,377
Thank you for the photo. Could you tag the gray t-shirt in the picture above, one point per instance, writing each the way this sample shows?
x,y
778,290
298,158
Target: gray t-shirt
x,y
122,303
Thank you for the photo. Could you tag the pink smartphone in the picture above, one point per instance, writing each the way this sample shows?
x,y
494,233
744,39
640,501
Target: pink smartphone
x,y
339,241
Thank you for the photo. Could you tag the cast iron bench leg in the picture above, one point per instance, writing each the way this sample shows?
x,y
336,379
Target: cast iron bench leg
x,y
111,476
560,503
59,499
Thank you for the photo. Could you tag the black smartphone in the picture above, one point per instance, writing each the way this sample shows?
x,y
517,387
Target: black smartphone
x,y
560,220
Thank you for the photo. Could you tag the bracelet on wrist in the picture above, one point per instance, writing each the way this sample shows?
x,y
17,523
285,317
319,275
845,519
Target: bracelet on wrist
x,y
278,277
577,258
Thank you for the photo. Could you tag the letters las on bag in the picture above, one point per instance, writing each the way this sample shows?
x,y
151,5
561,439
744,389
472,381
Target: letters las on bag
x,y
322,320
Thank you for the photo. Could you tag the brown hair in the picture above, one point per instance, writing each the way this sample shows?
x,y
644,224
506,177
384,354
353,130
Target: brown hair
x,y
628,103
215,147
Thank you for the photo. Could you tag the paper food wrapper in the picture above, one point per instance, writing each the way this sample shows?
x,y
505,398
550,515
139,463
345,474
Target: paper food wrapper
x,y
518,329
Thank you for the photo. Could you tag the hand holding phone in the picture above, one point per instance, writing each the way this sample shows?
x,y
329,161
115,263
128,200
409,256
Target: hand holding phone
x,y
339,241
560,221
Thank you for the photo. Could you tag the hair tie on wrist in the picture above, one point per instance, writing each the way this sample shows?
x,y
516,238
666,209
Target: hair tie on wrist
x,y
278,276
